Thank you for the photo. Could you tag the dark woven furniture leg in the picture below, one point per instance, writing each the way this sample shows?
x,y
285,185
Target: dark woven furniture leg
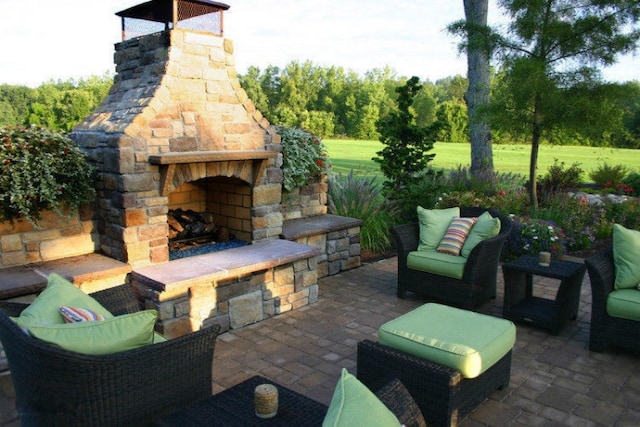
x,y
443,395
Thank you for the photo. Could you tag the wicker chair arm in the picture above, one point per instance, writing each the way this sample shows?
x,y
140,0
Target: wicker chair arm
x,y
601,270
486,254
406,238
13,309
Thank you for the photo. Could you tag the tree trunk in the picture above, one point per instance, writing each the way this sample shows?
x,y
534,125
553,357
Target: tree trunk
x,y
477,95
533,163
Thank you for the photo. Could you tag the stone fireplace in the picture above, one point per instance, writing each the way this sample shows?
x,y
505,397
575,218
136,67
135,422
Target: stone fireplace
x,y
178,130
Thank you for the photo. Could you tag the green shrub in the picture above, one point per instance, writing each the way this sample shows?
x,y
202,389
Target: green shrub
x,y
633,181
625,213
606,173
304,157
41,169
362,198
423,192
579,221
558,179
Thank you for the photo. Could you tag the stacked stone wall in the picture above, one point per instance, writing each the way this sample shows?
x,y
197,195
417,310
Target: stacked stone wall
x,y
55,237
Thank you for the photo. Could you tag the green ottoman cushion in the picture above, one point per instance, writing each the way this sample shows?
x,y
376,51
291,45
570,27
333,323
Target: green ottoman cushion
x,y
460,339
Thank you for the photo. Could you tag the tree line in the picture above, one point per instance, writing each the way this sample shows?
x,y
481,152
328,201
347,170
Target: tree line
x,y
327,101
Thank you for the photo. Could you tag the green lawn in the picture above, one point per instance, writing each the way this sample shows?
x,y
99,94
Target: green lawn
x,y
348,154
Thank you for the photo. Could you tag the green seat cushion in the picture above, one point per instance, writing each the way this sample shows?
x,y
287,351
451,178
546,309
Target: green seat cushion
x,y
433,224
353,404
464,340
485,227
45,309
437,263
624,303
113,335
626,257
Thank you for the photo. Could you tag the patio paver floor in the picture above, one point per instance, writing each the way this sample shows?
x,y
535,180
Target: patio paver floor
x,y
555,380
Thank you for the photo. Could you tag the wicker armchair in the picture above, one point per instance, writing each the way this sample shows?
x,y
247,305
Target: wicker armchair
x,y
58,387
606,329
478,283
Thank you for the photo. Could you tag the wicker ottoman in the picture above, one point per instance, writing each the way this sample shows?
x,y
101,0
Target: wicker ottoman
x,y
449,359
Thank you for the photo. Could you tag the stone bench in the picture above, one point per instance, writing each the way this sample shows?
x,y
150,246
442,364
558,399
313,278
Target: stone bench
x,y
337,237
90,272
232,288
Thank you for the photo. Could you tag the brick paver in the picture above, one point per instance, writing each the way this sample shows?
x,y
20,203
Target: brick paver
x,y
555,380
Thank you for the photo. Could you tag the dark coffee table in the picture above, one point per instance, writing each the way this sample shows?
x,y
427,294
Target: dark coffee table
x,y
234,407
521,306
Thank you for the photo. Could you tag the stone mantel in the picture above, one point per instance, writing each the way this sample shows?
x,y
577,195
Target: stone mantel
x,y
168,162
210,156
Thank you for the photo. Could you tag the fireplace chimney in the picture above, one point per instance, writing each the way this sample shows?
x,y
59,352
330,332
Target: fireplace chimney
x,y
176,115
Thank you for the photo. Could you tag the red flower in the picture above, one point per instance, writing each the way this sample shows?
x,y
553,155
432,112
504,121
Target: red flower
x,y
319,162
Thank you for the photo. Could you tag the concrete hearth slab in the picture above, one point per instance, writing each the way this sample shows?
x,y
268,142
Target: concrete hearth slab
x,y
94,270
183,273
293,229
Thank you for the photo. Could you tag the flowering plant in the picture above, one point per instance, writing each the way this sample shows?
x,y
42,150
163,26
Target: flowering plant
x,y
531,235
304,157
41,169
620,188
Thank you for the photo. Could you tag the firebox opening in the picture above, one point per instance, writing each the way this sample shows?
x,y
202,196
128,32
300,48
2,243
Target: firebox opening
x,y
209,215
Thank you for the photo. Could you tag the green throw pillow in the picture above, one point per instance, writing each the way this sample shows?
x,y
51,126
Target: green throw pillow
x,y
485,228
626,257
433,226
45,309
113,335
353,404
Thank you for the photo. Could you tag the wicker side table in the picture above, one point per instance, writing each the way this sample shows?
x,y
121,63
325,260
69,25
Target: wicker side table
x,y
520,305
235,407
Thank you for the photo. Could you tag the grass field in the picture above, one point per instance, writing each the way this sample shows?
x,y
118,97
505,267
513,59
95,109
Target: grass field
x,y
356,155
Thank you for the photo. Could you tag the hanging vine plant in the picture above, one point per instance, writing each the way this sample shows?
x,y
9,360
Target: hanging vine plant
x,y
41,169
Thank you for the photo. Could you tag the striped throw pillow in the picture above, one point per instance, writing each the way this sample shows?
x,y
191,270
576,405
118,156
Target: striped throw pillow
x,y
455,236
75,314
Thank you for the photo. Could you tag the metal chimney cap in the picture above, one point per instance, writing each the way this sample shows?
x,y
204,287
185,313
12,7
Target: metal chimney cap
x,y
162,10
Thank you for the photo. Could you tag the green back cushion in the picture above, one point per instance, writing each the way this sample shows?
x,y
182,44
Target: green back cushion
x,y
464,340
45,309
353,404
113,335
624,303
433,224
626,257
485,227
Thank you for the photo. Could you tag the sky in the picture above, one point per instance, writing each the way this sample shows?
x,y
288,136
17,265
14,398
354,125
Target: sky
x,y
73,39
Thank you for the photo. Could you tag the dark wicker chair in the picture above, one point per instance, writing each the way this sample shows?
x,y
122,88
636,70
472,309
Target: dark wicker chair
x,y
442,394
606,329
478,283
58,387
